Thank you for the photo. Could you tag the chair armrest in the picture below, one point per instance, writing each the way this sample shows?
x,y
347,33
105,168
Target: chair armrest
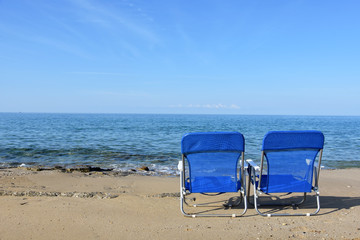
x,y
180,166
253,165
246,165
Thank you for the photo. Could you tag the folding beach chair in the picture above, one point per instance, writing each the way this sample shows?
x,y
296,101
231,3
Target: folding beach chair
x,y
290,159
210,164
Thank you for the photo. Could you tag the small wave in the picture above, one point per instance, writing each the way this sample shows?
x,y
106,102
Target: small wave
x,y
122,161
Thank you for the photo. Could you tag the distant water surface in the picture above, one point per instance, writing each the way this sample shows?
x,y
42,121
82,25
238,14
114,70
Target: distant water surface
x,y
126,141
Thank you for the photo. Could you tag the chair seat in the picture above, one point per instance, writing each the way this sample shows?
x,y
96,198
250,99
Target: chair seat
x,y
213,184
284,184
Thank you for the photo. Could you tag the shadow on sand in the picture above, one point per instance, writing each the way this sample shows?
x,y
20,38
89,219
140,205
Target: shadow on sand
x,y
328,204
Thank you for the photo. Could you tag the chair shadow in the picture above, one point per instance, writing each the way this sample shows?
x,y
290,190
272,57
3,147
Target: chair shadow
x,y
328,204
337,203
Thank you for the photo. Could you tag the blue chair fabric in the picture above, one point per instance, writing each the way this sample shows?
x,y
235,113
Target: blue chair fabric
x,y
213,161
290,159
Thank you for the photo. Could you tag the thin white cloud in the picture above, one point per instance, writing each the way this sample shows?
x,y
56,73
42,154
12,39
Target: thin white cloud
x,y
117,94
103,15
207,106
122,25
99,73
58,44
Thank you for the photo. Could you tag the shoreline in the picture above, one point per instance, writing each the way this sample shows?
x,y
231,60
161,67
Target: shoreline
x,y
135,170
141,170
102,205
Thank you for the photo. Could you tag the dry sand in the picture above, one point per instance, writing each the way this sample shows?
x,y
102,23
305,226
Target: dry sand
x,y
57,205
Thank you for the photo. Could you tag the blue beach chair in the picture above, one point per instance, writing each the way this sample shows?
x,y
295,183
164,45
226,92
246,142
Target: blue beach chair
x,y
210,165
290,160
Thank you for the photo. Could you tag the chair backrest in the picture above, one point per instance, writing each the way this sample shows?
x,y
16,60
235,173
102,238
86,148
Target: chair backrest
x,y
290,159
213,160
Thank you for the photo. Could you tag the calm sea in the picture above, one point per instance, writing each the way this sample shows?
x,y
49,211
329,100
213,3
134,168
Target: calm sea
x,y
127,141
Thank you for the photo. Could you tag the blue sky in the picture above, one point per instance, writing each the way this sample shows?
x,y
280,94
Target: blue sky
x,y
180,56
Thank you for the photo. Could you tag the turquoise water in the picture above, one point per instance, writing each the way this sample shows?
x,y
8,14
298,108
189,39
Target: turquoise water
x,y
126,141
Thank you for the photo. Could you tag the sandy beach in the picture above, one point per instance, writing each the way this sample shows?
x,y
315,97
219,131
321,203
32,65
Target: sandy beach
x,y
100,205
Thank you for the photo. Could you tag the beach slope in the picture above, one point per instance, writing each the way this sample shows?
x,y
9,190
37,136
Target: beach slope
x,y
59,205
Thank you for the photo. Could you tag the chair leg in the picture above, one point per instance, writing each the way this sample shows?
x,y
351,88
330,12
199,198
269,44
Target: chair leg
x,y
317,202
248,187
182,201
287,214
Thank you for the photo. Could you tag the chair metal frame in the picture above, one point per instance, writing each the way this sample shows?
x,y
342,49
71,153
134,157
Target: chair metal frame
x,y
184,192
253,170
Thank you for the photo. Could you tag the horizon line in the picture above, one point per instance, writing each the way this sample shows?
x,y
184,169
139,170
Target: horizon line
x,y
139,113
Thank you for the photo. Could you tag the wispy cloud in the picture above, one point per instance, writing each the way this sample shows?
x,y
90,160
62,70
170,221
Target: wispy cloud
x,y
207,106
105,16
60,45
117,94
84,28
99,73
126,26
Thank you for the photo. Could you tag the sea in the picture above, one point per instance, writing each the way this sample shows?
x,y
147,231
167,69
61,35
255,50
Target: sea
x,y
124,142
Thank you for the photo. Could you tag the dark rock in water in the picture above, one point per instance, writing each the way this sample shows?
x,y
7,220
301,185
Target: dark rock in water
x,y
59,168
35,169
87,169
41,168
84,169
144,168
99,169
